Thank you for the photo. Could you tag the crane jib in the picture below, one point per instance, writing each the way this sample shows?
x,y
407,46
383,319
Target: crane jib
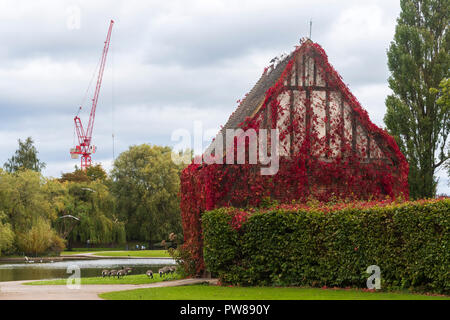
x,y
84,147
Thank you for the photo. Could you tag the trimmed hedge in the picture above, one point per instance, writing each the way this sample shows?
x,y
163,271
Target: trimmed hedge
x,y
317,247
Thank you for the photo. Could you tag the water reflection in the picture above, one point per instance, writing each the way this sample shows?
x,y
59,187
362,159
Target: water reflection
x,y
89,268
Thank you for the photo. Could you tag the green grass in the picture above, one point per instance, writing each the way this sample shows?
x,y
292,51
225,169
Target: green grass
x,y
137,253
130,279
86,250
123,253
70,253
94,249
205,292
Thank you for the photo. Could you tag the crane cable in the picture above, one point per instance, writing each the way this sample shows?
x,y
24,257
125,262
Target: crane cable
x,y
85,96
89,86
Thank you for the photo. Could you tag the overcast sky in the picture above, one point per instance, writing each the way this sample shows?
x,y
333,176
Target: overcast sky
x,y
170,63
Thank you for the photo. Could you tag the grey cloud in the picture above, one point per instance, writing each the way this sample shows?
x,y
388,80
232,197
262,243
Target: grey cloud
x,y
173,62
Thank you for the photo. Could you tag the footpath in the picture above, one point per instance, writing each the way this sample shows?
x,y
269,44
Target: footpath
x,y
16,290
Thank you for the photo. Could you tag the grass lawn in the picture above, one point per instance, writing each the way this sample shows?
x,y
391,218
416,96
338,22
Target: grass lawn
x,y
70,253
205,292
123,253
86,250
136,253
130,279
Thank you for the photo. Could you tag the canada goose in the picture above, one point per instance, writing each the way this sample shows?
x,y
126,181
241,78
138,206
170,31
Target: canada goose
x,y
127,269
113,273
105,273
164,271
121,273
149,273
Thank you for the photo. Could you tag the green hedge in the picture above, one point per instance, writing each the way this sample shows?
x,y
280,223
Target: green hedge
x,y
409,242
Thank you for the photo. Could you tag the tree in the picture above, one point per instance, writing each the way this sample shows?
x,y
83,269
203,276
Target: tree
x,y
6,234
146,184
92,173
96,173
23,199
77,176
25,158
444,102
94,205
418,60
41,238
32,210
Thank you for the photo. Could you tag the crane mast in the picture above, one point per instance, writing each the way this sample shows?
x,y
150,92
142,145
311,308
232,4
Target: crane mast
x,y
84,147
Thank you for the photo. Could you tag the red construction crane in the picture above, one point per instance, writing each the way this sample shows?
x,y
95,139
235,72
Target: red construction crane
x,y
84,147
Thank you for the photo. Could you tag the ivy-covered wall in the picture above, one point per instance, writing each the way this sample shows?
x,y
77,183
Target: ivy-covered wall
x,y
329,150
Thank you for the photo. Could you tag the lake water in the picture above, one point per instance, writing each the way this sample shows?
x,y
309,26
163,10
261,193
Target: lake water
x,y
88,268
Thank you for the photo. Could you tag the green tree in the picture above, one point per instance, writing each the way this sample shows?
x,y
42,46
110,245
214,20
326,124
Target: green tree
x,y
6,234
32,206
94,205
25,158
86,195
443,101
146,183
23,199
40,238
419,59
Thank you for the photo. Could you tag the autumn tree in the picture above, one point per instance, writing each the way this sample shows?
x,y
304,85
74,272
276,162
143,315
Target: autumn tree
x,y
77,175
418,59
96,173
92,173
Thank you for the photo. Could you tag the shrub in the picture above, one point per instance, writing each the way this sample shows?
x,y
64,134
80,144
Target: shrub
x,y
332,245
183,258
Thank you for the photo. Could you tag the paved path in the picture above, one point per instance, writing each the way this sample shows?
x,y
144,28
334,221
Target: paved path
x,y
16,290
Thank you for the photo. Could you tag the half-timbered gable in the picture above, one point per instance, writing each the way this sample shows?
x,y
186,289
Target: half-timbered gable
x,y
328,147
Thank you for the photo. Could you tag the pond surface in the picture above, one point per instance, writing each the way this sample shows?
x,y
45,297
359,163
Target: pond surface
x,y
89,268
